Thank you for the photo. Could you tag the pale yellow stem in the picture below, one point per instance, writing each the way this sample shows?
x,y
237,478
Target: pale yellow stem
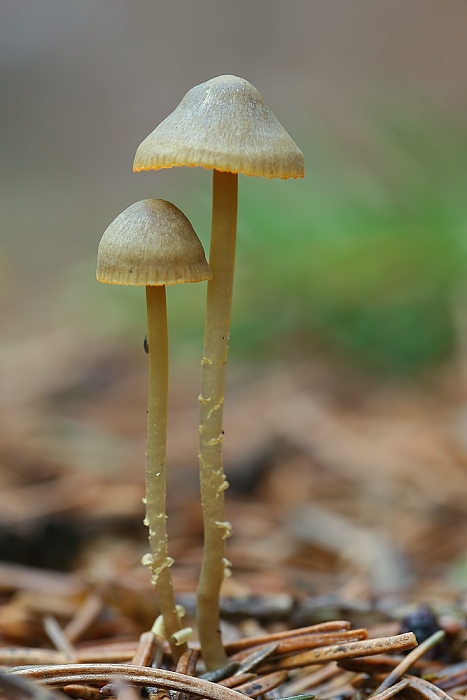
x,y
156,450
214,364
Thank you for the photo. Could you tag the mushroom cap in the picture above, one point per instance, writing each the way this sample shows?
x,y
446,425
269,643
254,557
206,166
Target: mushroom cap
x,y
223,124
151,243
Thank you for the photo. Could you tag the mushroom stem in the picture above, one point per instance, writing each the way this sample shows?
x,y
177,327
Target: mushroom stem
x,y
214,365
156,450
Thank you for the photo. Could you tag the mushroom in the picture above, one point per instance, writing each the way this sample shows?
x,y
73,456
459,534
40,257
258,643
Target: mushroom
x,y
223,125
153,244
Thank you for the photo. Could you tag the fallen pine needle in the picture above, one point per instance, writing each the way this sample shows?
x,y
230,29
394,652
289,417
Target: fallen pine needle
x,y
420,689
59,638
393,690
235,680
263,685
321,675
146,649
256,657
321,628
21,687
110,653
17,656
311,641
67,674
84,618
83,692
367,647
409,660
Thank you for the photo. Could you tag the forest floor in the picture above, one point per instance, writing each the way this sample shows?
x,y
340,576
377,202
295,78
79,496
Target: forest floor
x,y
347,499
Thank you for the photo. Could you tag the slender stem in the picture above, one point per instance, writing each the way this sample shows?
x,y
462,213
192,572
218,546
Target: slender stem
x,y
156,449
214,365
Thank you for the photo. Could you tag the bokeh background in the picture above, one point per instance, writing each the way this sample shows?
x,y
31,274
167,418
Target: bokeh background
x,y
348,348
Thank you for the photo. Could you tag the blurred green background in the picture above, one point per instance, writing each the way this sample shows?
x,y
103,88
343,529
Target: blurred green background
x,y
363,260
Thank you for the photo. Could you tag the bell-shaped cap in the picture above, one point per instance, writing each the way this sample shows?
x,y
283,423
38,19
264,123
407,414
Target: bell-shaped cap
x,y
223,124
151,243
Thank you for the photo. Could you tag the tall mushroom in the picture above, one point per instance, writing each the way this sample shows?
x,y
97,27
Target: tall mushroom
x,y
223,125
153,244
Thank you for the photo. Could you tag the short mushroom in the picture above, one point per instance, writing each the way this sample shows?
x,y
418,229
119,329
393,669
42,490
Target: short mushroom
x,y
223,125
153,244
